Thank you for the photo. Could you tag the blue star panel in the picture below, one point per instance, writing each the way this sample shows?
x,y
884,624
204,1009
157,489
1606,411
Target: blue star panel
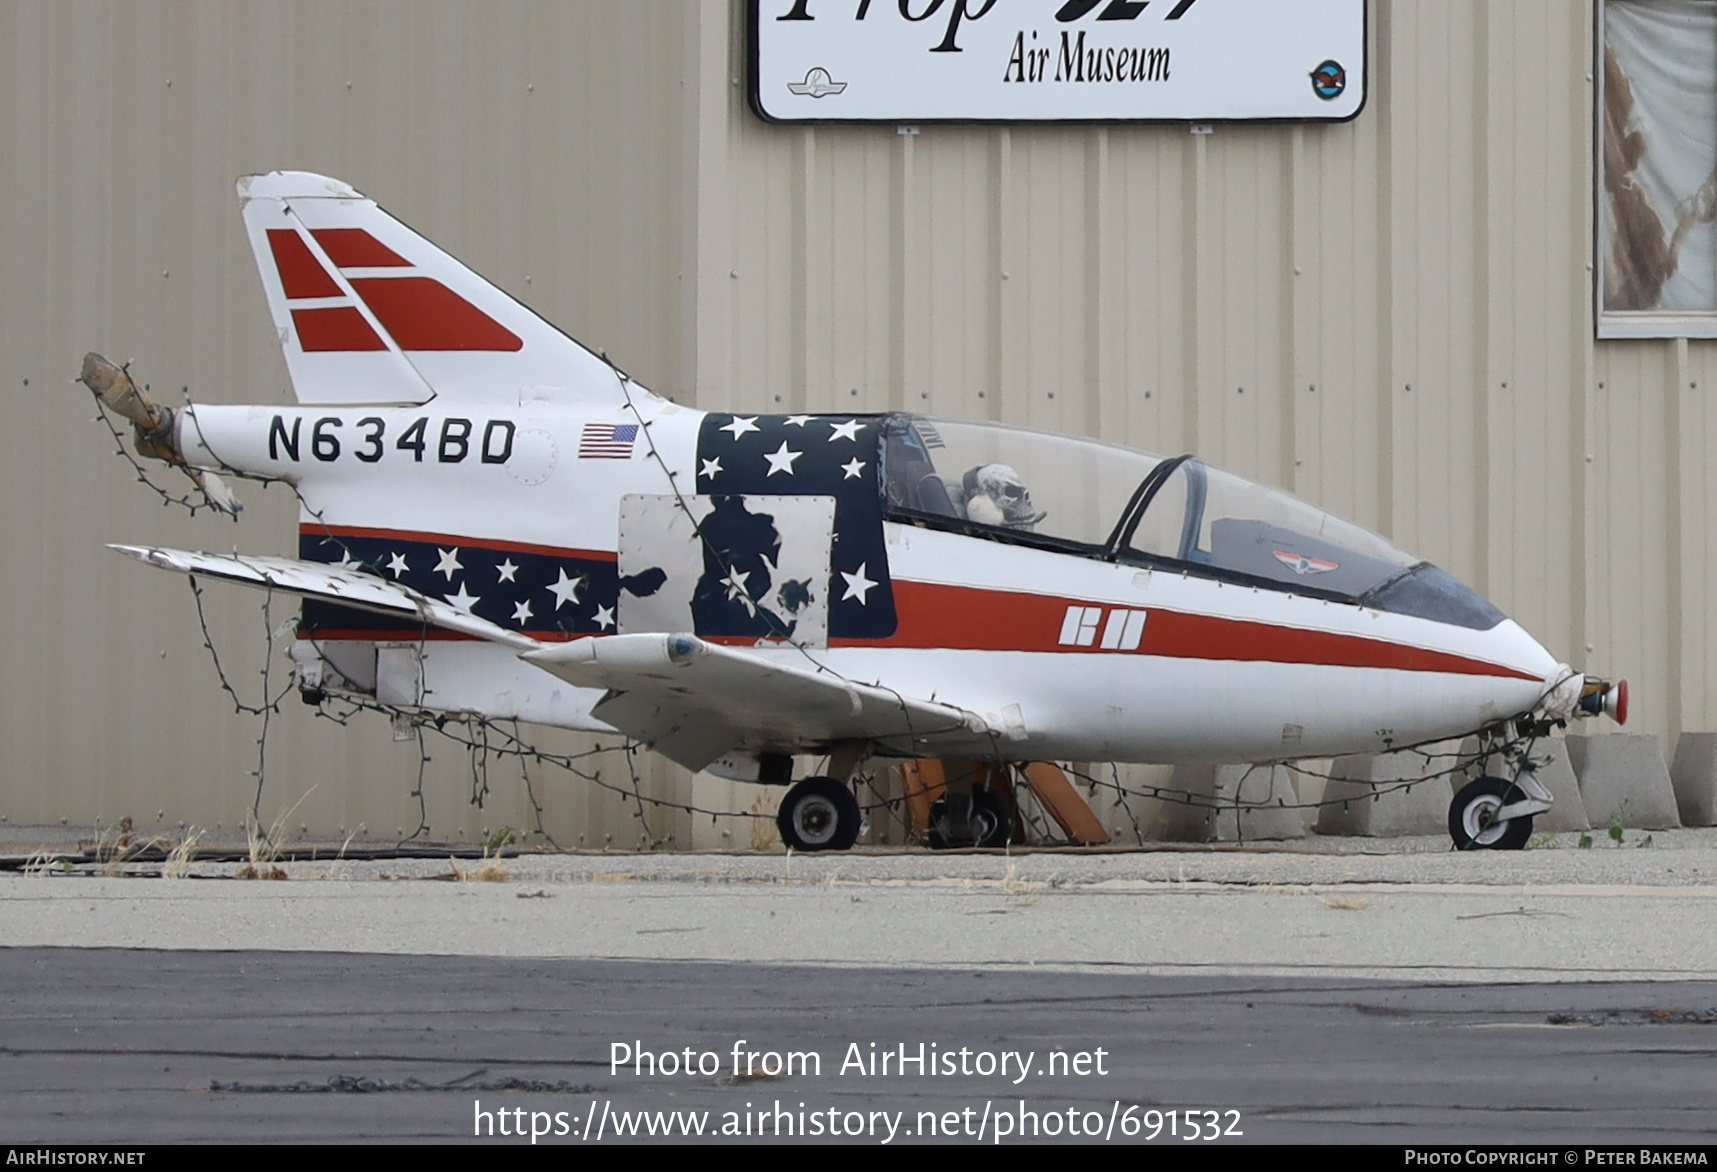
x,y
522,590
544,593
812,455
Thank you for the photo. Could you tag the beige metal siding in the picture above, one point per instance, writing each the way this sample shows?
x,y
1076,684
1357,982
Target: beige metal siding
x,y
542,143
1392,317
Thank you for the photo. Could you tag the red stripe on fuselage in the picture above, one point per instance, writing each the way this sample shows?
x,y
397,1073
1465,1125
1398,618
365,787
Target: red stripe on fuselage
x,y
314,529
933,615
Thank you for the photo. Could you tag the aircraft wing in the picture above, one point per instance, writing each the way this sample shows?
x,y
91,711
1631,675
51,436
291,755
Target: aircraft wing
x,y
693,701
330,583
689,699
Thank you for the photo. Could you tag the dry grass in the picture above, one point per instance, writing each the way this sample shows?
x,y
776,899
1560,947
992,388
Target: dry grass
x,y
265,849
179,859
115,846
488,871
493,868
1021,892
1345,903
335,869
44,861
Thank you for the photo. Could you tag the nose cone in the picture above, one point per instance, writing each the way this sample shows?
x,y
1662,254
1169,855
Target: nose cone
x,y
1508,672
1602,697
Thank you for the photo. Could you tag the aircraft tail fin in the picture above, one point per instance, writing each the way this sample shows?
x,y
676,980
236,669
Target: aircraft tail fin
x,y
368,311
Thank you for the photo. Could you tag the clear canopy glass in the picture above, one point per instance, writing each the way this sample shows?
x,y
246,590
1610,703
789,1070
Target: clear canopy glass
x,y
1010,479
1118,501
1210,517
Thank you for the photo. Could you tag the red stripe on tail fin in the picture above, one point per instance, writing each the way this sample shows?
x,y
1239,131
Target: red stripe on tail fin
x,y
341,328
354,248
423,314
301,274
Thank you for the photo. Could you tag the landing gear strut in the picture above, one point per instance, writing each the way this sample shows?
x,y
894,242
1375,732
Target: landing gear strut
x,y
979,818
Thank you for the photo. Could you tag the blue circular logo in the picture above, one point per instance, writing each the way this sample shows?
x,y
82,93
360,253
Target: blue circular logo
x,y
1329,80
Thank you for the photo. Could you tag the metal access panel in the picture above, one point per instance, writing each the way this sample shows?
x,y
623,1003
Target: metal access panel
x,y
727,565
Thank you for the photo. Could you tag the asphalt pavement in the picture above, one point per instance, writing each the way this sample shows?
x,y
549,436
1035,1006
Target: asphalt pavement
x,y
1559,995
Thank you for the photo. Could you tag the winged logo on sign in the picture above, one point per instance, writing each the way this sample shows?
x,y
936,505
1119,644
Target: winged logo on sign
x,y
817,84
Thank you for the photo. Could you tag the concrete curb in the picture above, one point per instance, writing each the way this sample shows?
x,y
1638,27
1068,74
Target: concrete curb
x,y
1694,778
1419,808
1623,774
1258,801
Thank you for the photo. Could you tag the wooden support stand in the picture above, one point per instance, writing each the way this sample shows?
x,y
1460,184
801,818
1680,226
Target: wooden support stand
x,y
1064,804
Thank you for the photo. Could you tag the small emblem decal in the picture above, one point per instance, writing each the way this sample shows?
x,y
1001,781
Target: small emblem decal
x,y
607,441
1329,80
1302,565
1122,632
818,84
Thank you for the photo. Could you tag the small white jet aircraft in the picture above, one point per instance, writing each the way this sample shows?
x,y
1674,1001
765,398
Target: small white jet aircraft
x,y
497,521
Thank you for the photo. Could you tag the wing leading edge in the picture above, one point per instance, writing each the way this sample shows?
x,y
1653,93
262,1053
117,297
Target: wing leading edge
x,y
694,700
328,582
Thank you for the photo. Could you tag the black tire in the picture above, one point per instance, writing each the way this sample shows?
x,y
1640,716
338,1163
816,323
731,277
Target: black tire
x,y
1469,817
992,822
819,814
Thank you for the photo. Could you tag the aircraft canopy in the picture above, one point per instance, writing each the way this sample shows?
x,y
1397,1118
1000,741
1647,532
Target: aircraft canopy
x,y
1104,500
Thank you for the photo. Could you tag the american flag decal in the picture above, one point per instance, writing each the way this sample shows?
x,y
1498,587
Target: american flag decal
x,y
607,441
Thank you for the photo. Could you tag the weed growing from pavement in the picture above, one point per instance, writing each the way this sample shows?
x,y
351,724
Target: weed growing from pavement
x,y
265,849
1617,820
1345,903
43,862
178,862
115,847
493,868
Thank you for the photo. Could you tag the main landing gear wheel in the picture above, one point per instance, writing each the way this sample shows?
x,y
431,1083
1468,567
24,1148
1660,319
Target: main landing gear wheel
x,y
989,825
1472,817
819,814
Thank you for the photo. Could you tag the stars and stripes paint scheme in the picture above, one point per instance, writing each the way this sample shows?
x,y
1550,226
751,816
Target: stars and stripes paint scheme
x,y
470,476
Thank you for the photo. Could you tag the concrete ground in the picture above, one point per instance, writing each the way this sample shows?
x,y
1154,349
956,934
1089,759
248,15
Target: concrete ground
x,y
1348,990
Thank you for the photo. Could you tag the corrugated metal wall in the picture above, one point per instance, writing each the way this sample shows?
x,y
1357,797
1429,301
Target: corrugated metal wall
x,y
540,142
1391,317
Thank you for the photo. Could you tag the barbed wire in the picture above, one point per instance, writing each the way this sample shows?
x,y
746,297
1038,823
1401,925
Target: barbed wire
x,y
268,707
486,739
1514,748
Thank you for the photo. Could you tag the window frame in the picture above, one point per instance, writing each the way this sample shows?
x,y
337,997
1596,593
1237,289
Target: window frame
x,y
1611,324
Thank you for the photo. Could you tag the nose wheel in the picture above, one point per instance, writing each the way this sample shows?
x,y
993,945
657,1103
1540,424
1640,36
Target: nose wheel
x,y
819,814
1474,821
